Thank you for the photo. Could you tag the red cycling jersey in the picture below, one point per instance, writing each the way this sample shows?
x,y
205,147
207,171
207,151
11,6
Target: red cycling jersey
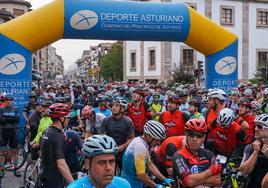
x,y
173,122
163,157
210,117
186,163
227,139
251,130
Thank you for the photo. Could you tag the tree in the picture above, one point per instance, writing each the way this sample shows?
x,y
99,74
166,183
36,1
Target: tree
x,y
183,77
112,64
261,74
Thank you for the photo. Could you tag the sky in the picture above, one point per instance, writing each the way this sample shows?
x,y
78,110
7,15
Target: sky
x,y
69,49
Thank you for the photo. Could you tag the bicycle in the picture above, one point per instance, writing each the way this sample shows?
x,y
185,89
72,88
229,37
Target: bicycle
x,y
31,174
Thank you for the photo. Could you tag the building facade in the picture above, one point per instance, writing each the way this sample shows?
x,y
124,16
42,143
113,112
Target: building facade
x,y
156,61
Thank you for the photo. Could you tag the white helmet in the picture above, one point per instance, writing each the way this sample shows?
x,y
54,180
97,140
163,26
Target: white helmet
x,y
255,106
262,120
248,92
99,144
225,117
217,93
265,92
155,129
121,101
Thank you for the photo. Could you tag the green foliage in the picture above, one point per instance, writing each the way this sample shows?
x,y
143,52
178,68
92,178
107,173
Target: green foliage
x,y
261,74
183,77
112,64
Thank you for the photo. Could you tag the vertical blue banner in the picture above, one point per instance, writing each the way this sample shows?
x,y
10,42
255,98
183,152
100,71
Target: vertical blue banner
x,y
222,68
15,72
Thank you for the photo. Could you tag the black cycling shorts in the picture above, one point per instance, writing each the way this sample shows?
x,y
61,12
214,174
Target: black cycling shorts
x,y
9,137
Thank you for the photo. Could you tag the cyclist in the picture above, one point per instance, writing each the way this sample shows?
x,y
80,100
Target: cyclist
x,y
9,118
194,166
136,159
139,111
162,155
103,107
53,165
100,151
174,119
93,120
29,108
255,108
119,127
194,106
244,112
229,135
157,107
216,99
255,162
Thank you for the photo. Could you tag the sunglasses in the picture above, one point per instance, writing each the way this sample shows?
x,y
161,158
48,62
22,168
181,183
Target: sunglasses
x,y
195,134
261,126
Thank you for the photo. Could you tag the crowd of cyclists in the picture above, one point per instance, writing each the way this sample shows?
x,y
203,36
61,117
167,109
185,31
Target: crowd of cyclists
x,y
140,135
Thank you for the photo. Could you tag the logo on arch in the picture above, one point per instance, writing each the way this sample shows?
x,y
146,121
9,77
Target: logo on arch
x,y
84,20
226,65
12,64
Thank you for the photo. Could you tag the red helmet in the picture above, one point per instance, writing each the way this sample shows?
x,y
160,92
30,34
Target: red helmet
x,y
58,110
245,103
196,125
139,91
87,110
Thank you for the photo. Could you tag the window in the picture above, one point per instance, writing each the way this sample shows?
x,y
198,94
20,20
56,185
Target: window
x,y
18,12
262,58
262,18
3,9
152,64
227,15
188,57
132,61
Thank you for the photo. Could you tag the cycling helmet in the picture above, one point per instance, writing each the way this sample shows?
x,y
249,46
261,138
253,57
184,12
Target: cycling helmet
x,y
58,109
217,93
102,98
86,111
248,92
245,103
265,92
185,92
194,102
255,106
99,144
156,96
121,101
155,129
205,100
262,120
235,92
174,98
46,103
225,117
196,125
139,91
90,89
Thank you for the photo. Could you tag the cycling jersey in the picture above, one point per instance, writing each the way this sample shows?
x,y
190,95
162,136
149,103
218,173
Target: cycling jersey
x,y
184,107
251,130
107,112
119,129
135,161
52,149
9,117
211,115
197,115
260,169
43,125
34,123
157,107
75,111
85,182
95,127
139,115
164,157
174,122
227,139
186,163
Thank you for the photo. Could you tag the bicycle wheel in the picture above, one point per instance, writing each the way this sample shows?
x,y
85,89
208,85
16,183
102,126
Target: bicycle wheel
x,y
30,175
22,156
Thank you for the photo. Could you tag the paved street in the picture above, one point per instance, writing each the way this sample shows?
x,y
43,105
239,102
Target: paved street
x,y
10,181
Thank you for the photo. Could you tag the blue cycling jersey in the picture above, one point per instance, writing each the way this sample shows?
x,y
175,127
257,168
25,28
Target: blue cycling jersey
x,y
85,183
107,112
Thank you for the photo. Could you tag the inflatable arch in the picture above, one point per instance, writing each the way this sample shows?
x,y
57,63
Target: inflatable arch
x,y
115,20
